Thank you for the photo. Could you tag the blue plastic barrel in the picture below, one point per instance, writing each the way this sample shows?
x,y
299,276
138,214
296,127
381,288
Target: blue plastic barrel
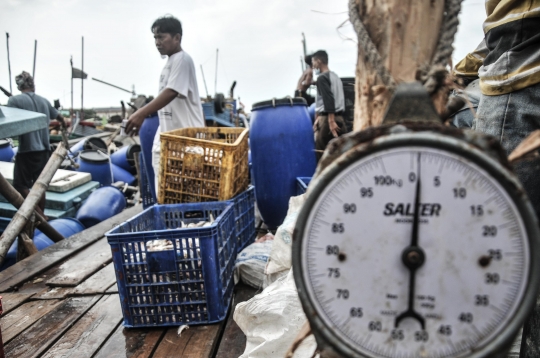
x,y
282,149
92,143
146,134
98,164
102,204
6,152
311,111
65,226
124,157
119,174
41,243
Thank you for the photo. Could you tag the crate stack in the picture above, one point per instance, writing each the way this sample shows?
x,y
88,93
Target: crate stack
x,y
174,262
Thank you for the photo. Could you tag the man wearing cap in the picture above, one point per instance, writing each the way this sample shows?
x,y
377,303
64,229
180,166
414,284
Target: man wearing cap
x,y
34,148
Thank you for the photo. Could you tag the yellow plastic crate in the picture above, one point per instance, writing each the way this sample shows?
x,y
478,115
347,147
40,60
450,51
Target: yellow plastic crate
x,y
203,164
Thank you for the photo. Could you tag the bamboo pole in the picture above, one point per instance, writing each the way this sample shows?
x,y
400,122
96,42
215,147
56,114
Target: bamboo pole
x,y
18,222
14,198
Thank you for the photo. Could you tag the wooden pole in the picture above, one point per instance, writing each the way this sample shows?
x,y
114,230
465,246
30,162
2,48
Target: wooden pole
x,y
405,33
71,113
15,198
18,222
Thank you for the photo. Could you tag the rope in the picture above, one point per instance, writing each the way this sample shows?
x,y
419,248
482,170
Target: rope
x,y
433,75
371,54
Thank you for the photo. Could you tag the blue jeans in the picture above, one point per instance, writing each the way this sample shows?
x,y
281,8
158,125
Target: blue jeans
x,y
510,118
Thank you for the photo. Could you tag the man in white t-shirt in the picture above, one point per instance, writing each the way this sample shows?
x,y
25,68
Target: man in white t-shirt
x,y
178,103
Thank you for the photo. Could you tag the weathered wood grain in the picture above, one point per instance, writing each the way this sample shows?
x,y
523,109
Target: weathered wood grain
x,y
195,342
233,341
131,343
10,301
35,264
88,334
48,329
23,317
97,283
82,265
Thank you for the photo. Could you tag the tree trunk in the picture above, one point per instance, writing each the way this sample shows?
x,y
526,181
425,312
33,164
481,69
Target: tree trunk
x,y
405,33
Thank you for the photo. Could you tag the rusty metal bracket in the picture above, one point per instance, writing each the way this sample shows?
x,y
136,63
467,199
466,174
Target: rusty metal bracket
x,y
411,102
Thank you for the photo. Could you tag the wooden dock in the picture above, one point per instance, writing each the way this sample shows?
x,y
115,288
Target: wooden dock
x,y
63,302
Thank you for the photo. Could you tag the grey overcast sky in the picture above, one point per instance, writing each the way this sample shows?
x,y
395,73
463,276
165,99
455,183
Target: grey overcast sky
x,y
259,44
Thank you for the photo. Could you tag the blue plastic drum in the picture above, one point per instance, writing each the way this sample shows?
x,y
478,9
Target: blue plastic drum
x,y
41,243
6,152
97,164
92,143
124,157
65,226
146,134
120,174
102,204
282,149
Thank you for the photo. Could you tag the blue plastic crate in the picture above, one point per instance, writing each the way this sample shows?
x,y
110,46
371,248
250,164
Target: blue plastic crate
x,y
244,216
144,186
302,184
188,284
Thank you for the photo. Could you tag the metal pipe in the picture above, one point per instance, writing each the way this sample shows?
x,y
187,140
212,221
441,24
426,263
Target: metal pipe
x,y
109,84
71,113
9,62
215,82
204,80
82,81
35,52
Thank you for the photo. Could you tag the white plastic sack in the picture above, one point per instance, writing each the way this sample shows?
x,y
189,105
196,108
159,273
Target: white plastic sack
x,y
271,321
250,263
279,262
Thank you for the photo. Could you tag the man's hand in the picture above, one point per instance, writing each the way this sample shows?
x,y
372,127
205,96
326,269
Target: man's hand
x,y
62,121
134,123
316,124
334,128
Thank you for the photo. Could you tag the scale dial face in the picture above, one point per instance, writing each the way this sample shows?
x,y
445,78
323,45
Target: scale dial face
x,y
389,282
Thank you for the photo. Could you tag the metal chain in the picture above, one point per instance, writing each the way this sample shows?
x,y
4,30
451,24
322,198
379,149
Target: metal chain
x,y
440,58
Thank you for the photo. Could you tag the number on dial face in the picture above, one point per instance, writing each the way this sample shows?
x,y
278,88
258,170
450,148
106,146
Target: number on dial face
x,y
474,241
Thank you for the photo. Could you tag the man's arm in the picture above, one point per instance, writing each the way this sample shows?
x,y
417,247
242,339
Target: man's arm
x,y
136,119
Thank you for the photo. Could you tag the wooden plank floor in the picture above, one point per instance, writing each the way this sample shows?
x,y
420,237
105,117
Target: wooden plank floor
x,y
64,302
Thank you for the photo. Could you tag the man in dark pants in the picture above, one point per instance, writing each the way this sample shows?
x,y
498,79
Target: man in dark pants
x,y
330,104
34,147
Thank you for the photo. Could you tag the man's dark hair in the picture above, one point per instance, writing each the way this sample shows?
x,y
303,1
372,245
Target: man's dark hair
x,y
167,24
321,55
307,60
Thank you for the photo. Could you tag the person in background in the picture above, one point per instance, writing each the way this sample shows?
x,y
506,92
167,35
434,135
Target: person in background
x,y
305,81
34,148
508,65
330,104
178,103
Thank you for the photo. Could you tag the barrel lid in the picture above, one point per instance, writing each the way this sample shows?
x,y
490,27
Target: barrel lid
x,y
132,149
95,143
288,101
95,156
4,143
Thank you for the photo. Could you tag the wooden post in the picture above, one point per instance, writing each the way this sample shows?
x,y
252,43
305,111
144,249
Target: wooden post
x,y
14,198
405,33
16,225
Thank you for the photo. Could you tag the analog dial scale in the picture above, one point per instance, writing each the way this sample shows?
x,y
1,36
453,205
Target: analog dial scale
x,y
416,247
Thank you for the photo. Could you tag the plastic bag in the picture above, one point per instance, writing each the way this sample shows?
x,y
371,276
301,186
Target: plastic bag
x,y
250,263
271,321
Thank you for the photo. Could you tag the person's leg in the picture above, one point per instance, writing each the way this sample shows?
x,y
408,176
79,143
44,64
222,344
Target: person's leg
x,y
511,118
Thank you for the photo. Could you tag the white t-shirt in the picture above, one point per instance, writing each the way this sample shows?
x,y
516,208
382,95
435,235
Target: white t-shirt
x,y
186,109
